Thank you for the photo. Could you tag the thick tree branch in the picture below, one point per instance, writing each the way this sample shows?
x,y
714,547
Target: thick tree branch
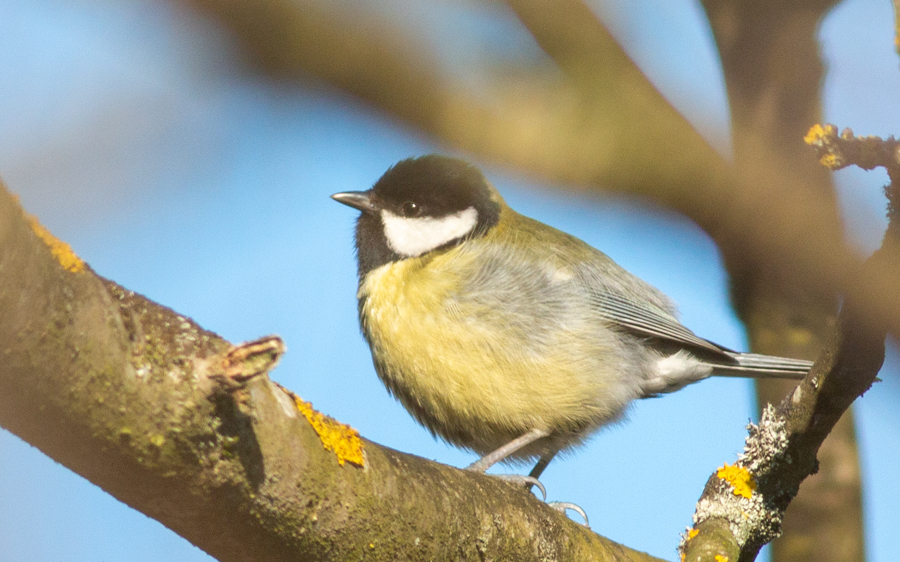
x,y
177,423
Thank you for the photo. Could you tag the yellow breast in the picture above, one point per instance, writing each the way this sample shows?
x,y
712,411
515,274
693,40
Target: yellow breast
x,y
455,365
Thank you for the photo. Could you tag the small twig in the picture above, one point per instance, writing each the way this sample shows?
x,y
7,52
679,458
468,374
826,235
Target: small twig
x,y
839,151
248,360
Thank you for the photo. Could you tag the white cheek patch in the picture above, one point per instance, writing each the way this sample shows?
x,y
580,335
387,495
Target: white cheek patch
x,y
411,237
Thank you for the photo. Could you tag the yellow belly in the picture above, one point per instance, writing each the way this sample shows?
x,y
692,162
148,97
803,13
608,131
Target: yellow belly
x,y
470,378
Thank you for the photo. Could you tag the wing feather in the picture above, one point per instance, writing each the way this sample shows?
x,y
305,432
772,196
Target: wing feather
x,y
651,322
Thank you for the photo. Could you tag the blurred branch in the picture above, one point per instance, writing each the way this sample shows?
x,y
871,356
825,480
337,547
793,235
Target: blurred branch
x,y
773,71
772,212
742,506
186,428
547,127
564,132
897,26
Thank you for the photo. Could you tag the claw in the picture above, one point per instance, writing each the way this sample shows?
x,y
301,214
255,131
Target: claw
x,y
529,481
526,481
563,506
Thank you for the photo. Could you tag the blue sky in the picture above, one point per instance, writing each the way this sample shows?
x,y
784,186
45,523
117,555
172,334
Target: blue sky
x,y
127,128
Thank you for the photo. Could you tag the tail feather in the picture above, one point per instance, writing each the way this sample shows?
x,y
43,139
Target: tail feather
x,y
680,369
763,367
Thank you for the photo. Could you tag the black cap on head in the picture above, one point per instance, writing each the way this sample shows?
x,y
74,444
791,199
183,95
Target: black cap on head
x,y
436,185
431,186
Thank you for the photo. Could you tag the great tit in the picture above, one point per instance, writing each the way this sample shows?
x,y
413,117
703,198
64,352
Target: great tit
x,y
503,335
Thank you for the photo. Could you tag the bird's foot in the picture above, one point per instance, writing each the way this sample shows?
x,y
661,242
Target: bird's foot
x,y
526,481
529,481
563,506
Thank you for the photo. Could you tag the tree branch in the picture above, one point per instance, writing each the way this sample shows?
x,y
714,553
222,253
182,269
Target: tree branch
x,y
742,506
174,421
773,99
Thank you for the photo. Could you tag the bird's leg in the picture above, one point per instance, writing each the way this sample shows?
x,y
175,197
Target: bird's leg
x,y
494,457
542,464
558,506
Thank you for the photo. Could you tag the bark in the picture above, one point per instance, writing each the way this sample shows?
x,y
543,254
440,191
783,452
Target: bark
x,y
179,424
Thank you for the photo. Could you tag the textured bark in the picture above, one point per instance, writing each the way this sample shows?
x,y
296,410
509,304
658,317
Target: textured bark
x,y
742,507
186,428
773,72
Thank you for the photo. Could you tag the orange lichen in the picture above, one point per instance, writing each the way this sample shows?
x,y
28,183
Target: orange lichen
x,y
830,161
60,250
739,478
720,558
815,135
341,439
693,533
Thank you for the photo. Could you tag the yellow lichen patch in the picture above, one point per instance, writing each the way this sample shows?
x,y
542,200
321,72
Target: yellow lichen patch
x,y
720,558
693,533
60,250
739,478
824,139
341,439
829,160
815,135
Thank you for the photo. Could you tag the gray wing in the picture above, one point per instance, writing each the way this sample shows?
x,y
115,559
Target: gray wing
x,y
652,322
633,305
649,321
617,297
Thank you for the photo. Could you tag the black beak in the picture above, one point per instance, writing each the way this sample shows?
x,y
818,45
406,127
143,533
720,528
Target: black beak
x,y
361,200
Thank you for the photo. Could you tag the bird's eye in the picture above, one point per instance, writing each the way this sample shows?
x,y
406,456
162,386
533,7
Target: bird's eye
x,y
410,209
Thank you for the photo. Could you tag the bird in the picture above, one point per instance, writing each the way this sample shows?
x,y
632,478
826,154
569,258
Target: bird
x,y
507,337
